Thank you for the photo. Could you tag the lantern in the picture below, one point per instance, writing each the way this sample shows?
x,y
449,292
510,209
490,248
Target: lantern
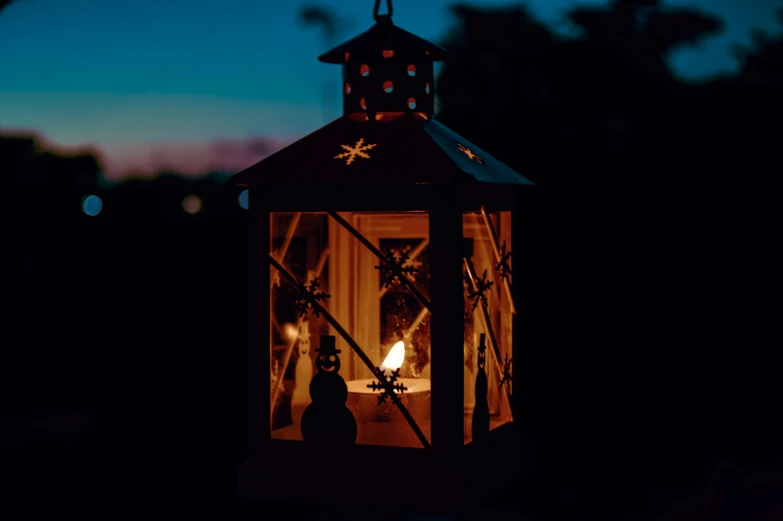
x,y
383,320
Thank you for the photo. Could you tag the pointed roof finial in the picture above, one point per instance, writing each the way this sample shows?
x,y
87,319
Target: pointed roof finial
x,y
383,17
381,37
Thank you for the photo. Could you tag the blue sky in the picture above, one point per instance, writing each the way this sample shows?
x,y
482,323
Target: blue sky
x,y
114,73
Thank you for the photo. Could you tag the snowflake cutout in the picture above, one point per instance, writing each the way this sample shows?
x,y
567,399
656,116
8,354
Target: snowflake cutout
x,y
503,267
387,385
394,268
477,295
471,155
308,295
506,378
352,152
415,263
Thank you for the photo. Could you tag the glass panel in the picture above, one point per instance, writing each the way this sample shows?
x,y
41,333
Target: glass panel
x,y
387,321
484,372
300,242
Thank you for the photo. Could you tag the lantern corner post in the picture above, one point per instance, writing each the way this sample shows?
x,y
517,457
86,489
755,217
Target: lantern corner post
x,y
259,309
447,329
524,233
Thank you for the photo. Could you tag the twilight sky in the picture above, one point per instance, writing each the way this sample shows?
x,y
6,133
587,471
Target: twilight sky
x,y
181,82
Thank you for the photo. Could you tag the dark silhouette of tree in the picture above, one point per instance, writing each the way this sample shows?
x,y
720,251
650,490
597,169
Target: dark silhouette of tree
x,y
528,95
635,170
116,315
332,26
499,88
650,249
322,17
4,4
762,62
644,29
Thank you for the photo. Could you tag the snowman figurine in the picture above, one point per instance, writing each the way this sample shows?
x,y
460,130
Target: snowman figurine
x,y
327,422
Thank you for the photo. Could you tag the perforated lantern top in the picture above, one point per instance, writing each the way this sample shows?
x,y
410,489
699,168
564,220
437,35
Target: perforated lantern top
x,y
387,134
386,69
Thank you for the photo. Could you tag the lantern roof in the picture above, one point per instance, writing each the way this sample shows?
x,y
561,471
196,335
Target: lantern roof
x,y
387,135
411,149
382,36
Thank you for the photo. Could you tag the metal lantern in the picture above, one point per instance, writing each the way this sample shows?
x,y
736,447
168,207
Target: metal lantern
x,y
379,245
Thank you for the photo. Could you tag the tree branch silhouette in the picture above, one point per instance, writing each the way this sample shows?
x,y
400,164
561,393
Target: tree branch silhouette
x,y
321,17
4,4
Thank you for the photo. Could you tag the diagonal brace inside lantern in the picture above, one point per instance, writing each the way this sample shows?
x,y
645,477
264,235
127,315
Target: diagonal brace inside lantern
x,y
493,236
292,342
280,254
388,262
359,352
488,326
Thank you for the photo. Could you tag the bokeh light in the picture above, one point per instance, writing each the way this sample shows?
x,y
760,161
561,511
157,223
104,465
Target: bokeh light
x,y
92,205
192,204
290,331
244,199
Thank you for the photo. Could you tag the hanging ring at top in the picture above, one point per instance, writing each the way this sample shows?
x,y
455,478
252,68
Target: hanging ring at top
x,y
377,7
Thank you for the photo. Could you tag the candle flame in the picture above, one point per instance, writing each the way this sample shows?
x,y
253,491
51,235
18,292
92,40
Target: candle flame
x,y
395,357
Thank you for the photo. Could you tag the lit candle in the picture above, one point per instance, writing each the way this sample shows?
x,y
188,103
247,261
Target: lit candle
x,y
363,401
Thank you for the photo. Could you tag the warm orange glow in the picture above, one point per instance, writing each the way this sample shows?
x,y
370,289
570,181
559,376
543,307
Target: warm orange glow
x,y
411,70
192,204
364,70
384,117
363,104
388,54
395,358
388,87
352,152
358,116
388,116
347,88
290,331
469,153
347,55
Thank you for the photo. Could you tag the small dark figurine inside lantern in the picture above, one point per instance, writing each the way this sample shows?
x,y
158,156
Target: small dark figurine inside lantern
x,y
380,277
388,238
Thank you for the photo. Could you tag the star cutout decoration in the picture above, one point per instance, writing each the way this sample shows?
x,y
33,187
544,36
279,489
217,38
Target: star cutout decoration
x,y
470,154
352,152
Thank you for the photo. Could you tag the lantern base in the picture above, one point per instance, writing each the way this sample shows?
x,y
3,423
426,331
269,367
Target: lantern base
x,y
425,481
372,433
